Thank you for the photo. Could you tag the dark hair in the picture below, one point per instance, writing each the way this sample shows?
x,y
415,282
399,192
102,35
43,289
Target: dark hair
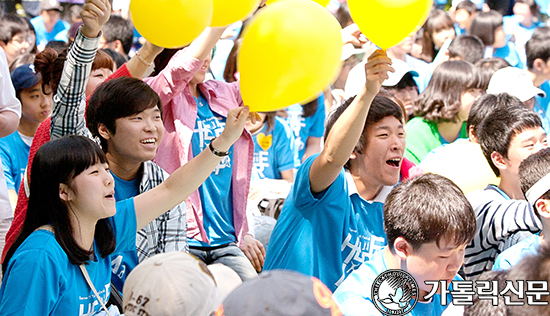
x,y
437,20
502,7
485,104
231,65
538,47
117,98
487,67
484,306
426,209
440,101
116,57
162,60
56,162
309,108
390,94
533,267
534,168
484,25
469,6
467,47
499,128
380,108
58,46
118,28
343,15
12,24
406,81
533,6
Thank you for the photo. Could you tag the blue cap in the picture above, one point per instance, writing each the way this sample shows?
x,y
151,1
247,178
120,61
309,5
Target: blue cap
x,y
24,77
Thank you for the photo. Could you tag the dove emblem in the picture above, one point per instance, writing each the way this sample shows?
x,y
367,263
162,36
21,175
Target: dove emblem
x,y
394,292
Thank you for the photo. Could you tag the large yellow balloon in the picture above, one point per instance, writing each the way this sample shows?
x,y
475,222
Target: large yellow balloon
x,y
171,23
463,163
324,3
290,52
387,22
227,12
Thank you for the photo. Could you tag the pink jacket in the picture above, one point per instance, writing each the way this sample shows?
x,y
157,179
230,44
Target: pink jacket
x,y
175,150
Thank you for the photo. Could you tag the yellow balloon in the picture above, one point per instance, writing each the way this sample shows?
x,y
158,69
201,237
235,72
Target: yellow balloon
x,y
227,12
171,23
324,3
387,22
463,163
290,52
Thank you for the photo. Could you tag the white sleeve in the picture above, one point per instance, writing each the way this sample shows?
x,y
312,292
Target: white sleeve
x,y
8,101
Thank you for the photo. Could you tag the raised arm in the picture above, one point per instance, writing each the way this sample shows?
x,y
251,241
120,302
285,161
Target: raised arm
x,y
144,57
187,178
69,102
346,131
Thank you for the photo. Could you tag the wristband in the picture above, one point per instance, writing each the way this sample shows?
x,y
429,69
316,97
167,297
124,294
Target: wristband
x,y
215,151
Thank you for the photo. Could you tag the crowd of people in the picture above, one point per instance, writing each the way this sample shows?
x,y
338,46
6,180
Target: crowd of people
x,y
137,181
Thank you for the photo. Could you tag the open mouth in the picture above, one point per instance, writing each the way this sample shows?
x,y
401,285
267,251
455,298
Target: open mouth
x,y
394,162
148,141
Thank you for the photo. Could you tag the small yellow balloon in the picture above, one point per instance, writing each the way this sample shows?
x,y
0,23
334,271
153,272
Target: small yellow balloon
x,y
324,3
171,23
387,22
463,163
290,52
227,12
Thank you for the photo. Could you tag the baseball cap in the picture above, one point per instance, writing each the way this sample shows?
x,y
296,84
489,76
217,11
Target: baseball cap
x,y
173,283
46,5
515,82
226,279
357,78
24,77
280,292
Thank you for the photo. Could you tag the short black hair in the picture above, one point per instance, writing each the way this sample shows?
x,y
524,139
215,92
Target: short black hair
x,y
118,28
428,208
380,108
534,168
487,67
484,25
118,98
485,104
468,47
469,6
116,56
501,126
12,24
538,47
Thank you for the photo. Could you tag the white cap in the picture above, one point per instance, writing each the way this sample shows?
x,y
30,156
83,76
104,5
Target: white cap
x,y
173,283
226,279
357,78
515,82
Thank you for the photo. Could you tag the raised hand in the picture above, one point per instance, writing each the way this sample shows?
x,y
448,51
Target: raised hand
x,y
94,14
234,126
376,70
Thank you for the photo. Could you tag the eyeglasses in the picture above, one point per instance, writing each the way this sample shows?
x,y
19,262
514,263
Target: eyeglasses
x,y
21,39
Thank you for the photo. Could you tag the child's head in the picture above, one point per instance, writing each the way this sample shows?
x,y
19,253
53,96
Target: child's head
x,y
13,36
534,181
126,115
401,83
483,106
466,47
437,28
428,223
508,135
451,92
36,104
537,50
465,12
487,67
526,9
488,27
516,82
382,143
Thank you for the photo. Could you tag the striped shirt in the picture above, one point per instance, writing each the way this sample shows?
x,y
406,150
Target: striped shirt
x,y
167,232
501,223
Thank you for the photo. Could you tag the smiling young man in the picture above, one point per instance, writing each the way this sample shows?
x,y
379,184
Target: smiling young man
x,y
414,214
332,220
507,136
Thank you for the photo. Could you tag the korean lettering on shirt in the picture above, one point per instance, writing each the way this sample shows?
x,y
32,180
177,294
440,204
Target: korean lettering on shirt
x,y
89,303
208,129
358,251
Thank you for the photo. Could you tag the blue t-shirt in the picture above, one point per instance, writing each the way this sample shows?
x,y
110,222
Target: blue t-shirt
x,y
304,127
124,262
541,106
216,192
14,153
40,279
273,151
58,33
521,33
327,235
511,256
509,53
354,295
